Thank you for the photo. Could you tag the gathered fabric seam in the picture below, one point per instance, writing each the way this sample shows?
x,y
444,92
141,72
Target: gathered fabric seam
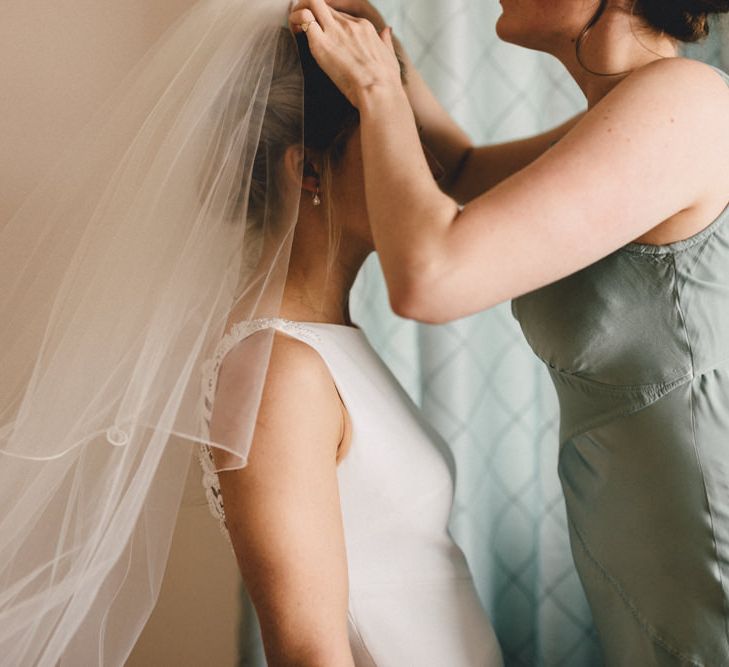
x,y
623,412
656,387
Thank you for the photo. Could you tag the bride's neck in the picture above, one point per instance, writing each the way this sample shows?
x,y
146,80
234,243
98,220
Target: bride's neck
x,y
317,287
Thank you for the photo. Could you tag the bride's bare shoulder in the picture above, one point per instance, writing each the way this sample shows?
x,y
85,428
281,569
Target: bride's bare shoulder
x,y
299,401
295,366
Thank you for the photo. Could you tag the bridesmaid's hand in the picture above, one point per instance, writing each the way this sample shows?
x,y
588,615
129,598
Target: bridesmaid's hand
x,y
357,59
362,9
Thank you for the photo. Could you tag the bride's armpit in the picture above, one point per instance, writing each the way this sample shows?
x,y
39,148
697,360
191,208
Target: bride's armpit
x,y
346,442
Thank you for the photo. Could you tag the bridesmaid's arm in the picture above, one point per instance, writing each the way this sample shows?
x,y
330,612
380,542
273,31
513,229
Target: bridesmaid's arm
x,y
605,184
282,510
484,167
468,170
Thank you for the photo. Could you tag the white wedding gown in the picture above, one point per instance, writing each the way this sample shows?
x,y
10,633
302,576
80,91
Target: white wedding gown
x,y
412,601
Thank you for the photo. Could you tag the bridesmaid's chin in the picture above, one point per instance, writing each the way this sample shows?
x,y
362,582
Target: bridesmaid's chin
x,y
512,27
508,25
505,31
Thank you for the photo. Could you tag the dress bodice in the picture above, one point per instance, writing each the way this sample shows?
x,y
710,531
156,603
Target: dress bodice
x,y
625,331
412,598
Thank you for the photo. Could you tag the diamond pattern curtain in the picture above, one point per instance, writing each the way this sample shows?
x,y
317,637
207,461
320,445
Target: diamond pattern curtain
x,y
476,379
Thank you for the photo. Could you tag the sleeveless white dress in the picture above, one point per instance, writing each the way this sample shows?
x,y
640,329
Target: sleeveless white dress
x,y
412,601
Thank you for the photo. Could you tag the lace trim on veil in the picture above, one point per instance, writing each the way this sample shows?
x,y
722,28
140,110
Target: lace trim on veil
x,y
210,370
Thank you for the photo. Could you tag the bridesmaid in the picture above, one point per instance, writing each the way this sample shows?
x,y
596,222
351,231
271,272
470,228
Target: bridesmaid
x,y
614,246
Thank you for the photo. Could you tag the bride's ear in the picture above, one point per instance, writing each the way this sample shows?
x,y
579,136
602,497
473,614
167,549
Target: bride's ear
x,y
301,171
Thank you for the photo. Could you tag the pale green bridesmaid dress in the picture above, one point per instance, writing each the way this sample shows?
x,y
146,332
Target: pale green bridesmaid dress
x,y
638,348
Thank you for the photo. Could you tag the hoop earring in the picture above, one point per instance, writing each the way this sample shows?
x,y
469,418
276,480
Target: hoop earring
x,y
316,199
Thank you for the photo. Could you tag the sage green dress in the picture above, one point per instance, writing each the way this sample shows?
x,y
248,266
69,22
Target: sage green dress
x,y
637,346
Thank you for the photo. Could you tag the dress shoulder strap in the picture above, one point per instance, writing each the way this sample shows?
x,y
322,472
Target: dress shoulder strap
x,y
722,73
210,370
239,332
242,330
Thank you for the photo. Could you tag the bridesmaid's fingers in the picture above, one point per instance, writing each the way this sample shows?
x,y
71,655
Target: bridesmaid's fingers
x,y
348,17
348,49
360,9
300,18
315,35
349,6
386,36
322,12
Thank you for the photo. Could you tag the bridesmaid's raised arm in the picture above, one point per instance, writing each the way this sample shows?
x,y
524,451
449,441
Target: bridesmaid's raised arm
x,y
467,170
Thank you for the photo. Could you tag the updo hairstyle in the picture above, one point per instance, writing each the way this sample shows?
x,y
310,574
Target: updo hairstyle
x,y
684,20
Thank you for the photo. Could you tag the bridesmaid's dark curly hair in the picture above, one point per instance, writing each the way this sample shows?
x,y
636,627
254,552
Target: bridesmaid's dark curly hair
x,y
684,20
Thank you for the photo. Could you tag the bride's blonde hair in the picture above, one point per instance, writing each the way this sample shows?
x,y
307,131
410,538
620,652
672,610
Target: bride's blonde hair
x,y
328,121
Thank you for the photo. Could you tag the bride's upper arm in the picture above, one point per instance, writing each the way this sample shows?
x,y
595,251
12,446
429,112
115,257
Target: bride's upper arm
x,y
282,509
645,152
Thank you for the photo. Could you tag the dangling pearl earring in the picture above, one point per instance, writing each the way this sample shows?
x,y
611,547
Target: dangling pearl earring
x,y
316,199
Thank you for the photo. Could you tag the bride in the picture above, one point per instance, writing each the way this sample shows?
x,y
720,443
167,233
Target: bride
x,y
339,519
213,220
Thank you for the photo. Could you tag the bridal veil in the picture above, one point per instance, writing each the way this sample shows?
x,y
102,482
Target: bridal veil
x,y
118,277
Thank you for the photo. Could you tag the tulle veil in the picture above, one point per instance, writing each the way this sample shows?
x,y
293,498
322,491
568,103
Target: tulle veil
x,y
118,277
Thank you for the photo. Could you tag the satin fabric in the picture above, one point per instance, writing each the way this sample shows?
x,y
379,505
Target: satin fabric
x,y
412,600
637,346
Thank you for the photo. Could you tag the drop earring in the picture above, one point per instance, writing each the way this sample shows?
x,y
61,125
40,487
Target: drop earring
x,y
316,199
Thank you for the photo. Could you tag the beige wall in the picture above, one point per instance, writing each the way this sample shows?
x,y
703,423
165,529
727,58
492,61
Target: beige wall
x,y
196,618
59,59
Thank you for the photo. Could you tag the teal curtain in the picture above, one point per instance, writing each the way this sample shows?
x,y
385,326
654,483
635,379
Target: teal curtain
x,y
476,379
